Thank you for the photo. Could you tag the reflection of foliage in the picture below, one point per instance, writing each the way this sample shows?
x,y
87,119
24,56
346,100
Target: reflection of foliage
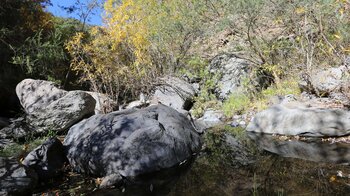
x,y
277,175
216,145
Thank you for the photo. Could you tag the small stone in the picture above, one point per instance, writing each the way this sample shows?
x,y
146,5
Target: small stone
x,y
234,124
111,180
242,123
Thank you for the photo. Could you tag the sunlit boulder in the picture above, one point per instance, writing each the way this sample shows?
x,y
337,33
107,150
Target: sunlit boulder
x,y
304,121
131,142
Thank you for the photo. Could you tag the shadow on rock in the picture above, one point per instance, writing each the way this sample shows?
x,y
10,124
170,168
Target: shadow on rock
x,y
155,183
47,160
132,142
16,179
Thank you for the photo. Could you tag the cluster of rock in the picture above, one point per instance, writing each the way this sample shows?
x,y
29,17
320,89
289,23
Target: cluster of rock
x,y
158,132
115,145
321,111
229,73
47,108
43,163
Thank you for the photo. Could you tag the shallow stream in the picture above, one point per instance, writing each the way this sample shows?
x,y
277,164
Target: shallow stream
x,y
234,163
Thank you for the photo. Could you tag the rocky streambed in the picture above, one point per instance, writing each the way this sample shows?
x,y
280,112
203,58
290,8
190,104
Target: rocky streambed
x,y
158,149
232,162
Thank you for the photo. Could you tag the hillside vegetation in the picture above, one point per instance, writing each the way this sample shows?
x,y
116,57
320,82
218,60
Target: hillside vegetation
x,y
144,39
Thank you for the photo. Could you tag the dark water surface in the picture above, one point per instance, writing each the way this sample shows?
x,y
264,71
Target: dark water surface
x,y
236,164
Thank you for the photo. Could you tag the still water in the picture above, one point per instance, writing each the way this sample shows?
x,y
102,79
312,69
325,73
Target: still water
x,y
236,164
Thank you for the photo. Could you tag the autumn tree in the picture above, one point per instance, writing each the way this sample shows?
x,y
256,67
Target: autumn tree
x,y
141,40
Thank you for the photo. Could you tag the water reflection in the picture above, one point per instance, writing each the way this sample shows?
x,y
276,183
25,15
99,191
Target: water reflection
x,y
226,167
156,183
317,151
269,174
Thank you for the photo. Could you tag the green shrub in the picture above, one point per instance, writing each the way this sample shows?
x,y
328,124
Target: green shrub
x,y
11,150
17,150
42,57
285,87
237,103
240,102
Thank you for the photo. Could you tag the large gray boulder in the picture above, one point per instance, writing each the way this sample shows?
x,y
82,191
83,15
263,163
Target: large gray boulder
x,y
16,179
50,108
131,142
325,82
47,160
175,93
62,113
231,71
304,121
37,94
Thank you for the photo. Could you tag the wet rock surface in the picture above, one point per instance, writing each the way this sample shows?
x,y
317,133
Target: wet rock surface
x,y
239,152
16,179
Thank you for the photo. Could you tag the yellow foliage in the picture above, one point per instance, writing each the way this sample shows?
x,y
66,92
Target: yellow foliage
x,y
131,22
300,10
130,50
